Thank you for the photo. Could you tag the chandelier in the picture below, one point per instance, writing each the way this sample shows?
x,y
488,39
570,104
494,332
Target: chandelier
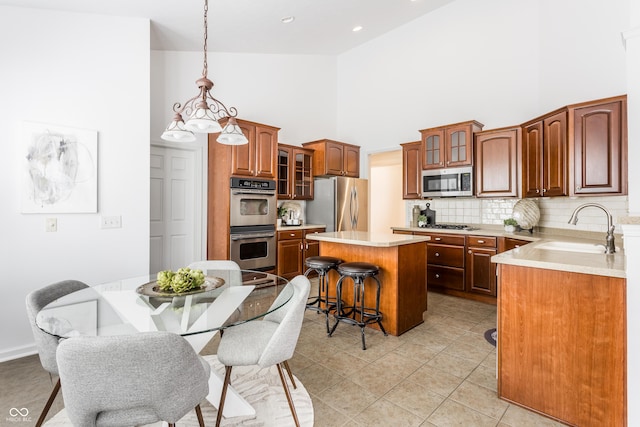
x,y
204,111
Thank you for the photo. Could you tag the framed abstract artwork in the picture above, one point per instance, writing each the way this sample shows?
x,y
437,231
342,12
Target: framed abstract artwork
x,y
60,169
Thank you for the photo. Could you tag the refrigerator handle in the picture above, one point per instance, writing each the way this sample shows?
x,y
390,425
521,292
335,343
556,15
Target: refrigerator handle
x,y
353,208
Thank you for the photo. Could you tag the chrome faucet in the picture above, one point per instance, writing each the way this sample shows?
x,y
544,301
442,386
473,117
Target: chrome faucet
x,y
610,245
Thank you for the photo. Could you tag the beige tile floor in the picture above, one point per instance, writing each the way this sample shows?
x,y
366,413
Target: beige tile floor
x,y
441,373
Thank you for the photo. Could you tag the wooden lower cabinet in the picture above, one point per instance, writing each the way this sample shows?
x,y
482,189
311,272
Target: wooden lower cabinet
x,y
508,243
445,261
562,344
480,271
293,249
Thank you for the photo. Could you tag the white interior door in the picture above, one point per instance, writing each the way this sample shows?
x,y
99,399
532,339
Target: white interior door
x,y
176,213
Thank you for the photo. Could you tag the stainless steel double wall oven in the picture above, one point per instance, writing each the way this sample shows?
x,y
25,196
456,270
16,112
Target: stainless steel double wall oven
x,y
252,218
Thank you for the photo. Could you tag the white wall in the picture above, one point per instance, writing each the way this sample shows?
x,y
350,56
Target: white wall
x,y
632,231
296,93
500,62
82,71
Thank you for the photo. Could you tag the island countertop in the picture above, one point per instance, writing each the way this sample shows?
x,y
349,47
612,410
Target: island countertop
x,y
365,238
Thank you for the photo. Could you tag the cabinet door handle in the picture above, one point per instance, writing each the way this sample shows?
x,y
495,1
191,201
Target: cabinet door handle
x,y
437,254
301,246
437,276
480,241
578,188
537,191
306,245
470,251
292,234
544,190
437,239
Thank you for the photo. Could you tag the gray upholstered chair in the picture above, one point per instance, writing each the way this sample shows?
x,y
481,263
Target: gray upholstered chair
x,y
271,341
126,380
45,343
214,264
225,269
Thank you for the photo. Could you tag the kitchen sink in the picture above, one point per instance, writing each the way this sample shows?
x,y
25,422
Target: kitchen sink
x,y
587,248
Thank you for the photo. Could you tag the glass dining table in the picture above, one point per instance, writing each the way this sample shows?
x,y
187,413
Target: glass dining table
x,y
135,305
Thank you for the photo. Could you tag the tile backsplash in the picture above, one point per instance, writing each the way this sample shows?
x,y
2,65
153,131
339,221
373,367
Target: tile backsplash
x,y
554,211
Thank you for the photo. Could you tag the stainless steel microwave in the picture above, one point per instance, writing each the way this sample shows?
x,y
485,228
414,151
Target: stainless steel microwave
x,y
450,182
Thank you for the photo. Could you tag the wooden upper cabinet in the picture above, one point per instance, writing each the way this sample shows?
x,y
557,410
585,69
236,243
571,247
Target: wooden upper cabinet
x,y
258,157
598,147
449,146
544,154
496,162
412,170
334,158
295,173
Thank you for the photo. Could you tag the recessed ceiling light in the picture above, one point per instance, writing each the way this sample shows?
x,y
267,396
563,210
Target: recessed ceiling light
x,y
288,19
357,28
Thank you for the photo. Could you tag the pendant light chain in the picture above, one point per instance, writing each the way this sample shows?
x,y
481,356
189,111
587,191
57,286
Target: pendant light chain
x,y
205,65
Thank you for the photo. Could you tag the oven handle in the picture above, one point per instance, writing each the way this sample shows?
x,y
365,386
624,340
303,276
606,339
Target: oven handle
x,y
257,192
245,236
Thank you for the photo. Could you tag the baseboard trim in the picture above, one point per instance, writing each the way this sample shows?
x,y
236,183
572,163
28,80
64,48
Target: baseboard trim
x,y
17,352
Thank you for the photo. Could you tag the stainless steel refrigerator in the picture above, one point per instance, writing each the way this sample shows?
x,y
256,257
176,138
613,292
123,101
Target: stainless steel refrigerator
x,y
339,202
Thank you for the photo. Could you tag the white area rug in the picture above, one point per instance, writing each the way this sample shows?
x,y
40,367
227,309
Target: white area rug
x,y
260,387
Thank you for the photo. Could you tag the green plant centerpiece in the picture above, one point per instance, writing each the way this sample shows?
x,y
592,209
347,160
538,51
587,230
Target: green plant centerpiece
x,y
422,220
183,280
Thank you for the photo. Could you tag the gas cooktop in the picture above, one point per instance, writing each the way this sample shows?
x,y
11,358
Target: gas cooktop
x,y
449,226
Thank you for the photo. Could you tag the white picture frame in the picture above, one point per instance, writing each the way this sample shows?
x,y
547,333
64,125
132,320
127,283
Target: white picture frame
x,y
60,169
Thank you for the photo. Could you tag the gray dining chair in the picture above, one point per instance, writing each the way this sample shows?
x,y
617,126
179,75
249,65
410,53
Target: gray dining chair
x,y
214,264
271,341
46,343
126,380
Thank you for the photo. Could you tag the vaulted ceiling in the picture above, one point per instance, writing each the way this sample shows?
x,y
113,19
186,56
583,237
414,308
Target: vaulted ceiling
x,y
255,26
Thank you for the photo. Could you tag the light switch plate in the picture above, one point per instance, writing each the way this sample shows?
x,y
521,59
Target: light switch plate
x,y
111,221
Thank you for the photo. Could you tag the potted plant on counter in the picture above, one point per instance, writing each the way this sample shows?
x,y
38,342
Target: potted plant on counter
x,y
510,225
282,211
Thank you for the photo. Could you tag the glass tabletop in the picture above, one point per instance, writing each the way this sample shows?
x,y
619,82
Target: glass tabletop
x,y
228,298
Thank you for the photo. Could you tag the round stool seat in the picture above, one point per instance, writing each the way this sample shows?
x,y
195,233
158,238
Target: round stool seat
x,y
358,269
356,313
322,262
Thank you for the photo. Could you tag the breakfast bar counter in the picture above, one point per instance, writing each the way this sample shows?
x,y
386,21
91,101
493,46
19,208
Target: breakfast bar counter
x,y
402,263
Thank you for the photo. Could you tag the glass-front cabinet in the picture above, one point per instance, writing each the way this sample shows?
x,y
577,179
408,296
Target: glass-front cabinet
x,y
449,146
295,178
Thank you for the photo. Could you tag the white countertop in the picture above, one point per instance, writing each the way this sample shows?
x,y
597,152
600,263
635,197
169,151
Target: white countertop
x,y
531,255
365,238
299,227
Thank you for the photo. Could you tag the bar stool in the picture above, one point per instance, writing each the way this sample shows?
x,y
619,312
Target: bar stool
x,y
358,314
323,303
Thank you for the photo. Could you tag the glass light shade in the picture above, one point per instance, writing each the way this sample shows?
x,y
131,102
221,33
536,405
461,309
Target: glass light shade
x,y
203,121
176,132
232,134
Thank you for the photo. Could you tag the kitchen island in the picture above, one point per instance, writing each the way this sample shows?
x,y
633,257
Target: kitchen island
x,y
402,263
